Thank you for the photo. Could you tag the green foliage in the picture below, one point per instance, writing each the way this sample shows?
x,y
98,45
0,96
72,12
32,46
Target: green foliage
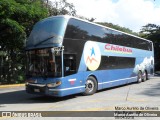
x,y
152,32
17,18
61,7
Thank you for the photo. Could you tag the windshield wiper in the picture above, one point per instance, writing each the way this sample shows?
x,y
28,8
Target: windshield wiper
x,y
44,40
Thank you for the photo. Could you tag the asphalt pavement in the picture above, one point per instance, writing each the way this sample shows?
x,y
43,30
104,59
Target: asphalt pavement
x,y
132,97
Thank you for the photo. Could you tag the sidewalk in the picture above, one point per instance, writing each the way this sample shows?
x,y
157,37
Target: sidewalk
x,y
11,86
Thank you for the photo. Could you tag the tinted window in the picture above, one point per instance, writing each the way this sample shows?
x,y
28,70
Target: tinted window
x,y
80,30
46,33
112,62
69,64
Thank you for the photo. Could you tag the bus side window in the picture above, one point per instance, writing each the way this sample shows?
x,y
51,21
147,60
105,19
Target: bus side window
x,y
69,64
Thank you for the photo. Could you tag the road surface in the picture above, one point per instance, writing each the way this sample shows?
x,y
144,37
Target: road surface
x,y
145,94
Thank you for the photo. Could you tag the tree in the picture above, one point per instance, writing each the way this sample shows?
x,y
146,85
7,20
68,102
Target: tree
x,y
61,7
17,18
152,32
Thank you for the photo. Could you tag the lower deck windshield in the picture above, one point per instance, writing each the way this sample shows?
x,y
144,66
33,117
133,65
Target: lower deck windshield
x,y
44,63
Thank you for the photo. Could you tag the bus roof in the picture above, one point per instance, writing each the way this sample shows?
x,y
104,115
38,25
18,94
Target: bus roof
x,y
37,40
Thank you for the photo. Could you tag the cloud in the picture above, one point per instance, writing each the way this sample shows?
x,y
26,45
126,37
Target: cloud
x,y
136,13
132,14
99,9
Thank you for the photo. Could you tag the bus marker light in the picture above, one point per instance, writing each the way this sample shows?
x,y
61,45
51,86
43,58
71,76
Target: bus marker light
x,y
72,81
54,84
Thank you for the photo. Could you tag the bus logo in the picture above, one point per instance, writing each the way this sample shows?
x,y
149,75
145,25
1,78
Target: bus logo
x,y
92,55
117,49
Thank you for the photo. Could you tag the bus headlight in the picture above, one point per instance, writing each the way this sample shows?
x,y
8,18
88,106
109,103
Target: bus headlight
x,y
54,84
29,81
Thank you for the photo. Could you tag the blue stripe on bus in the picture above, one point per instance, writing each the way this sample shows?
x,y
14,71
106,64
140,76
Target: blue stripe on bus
x,y
71,88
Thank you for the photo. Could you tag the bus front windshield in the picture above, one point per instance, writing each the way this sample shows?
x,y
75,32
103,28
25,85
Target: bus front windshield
x,y
44,63
47,33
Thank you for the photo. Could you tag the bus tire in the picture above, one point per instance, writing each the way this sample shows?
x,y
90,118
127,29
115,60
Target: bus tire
x,y
139,77
90,86
145,76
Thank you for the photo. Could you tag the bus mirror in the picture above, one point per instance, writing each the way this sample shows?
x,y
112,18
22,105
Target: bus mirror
x,y
57,49
52,50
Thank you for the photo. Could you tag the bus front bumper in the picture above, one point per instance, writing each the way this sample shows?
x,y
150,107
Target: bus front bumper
x,y
41,89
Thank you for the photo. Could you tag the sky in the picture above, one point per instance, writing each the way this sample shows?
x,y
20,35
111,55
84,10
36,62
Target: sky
x,y
132,14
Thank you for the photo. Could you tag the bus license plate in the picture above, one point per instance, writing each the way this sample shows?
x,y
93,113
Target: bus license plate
x,y
36,90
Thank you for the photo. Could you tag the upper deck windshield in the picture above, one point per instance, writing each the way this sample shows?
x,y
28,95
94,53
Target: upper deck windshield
x,y
47,33
44,63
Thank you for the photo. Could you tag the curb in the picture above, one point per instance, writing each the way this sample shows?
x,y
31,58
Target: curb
x,y
10,86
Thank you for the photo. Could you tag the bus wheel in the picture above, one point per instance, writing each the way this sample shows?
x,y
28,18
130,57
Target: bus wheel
x,y
145,76
139,77
90,86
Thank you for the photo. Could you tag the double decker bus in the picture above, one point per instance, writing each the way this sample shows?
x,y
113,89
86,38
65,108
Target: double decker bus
x,y
67,55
